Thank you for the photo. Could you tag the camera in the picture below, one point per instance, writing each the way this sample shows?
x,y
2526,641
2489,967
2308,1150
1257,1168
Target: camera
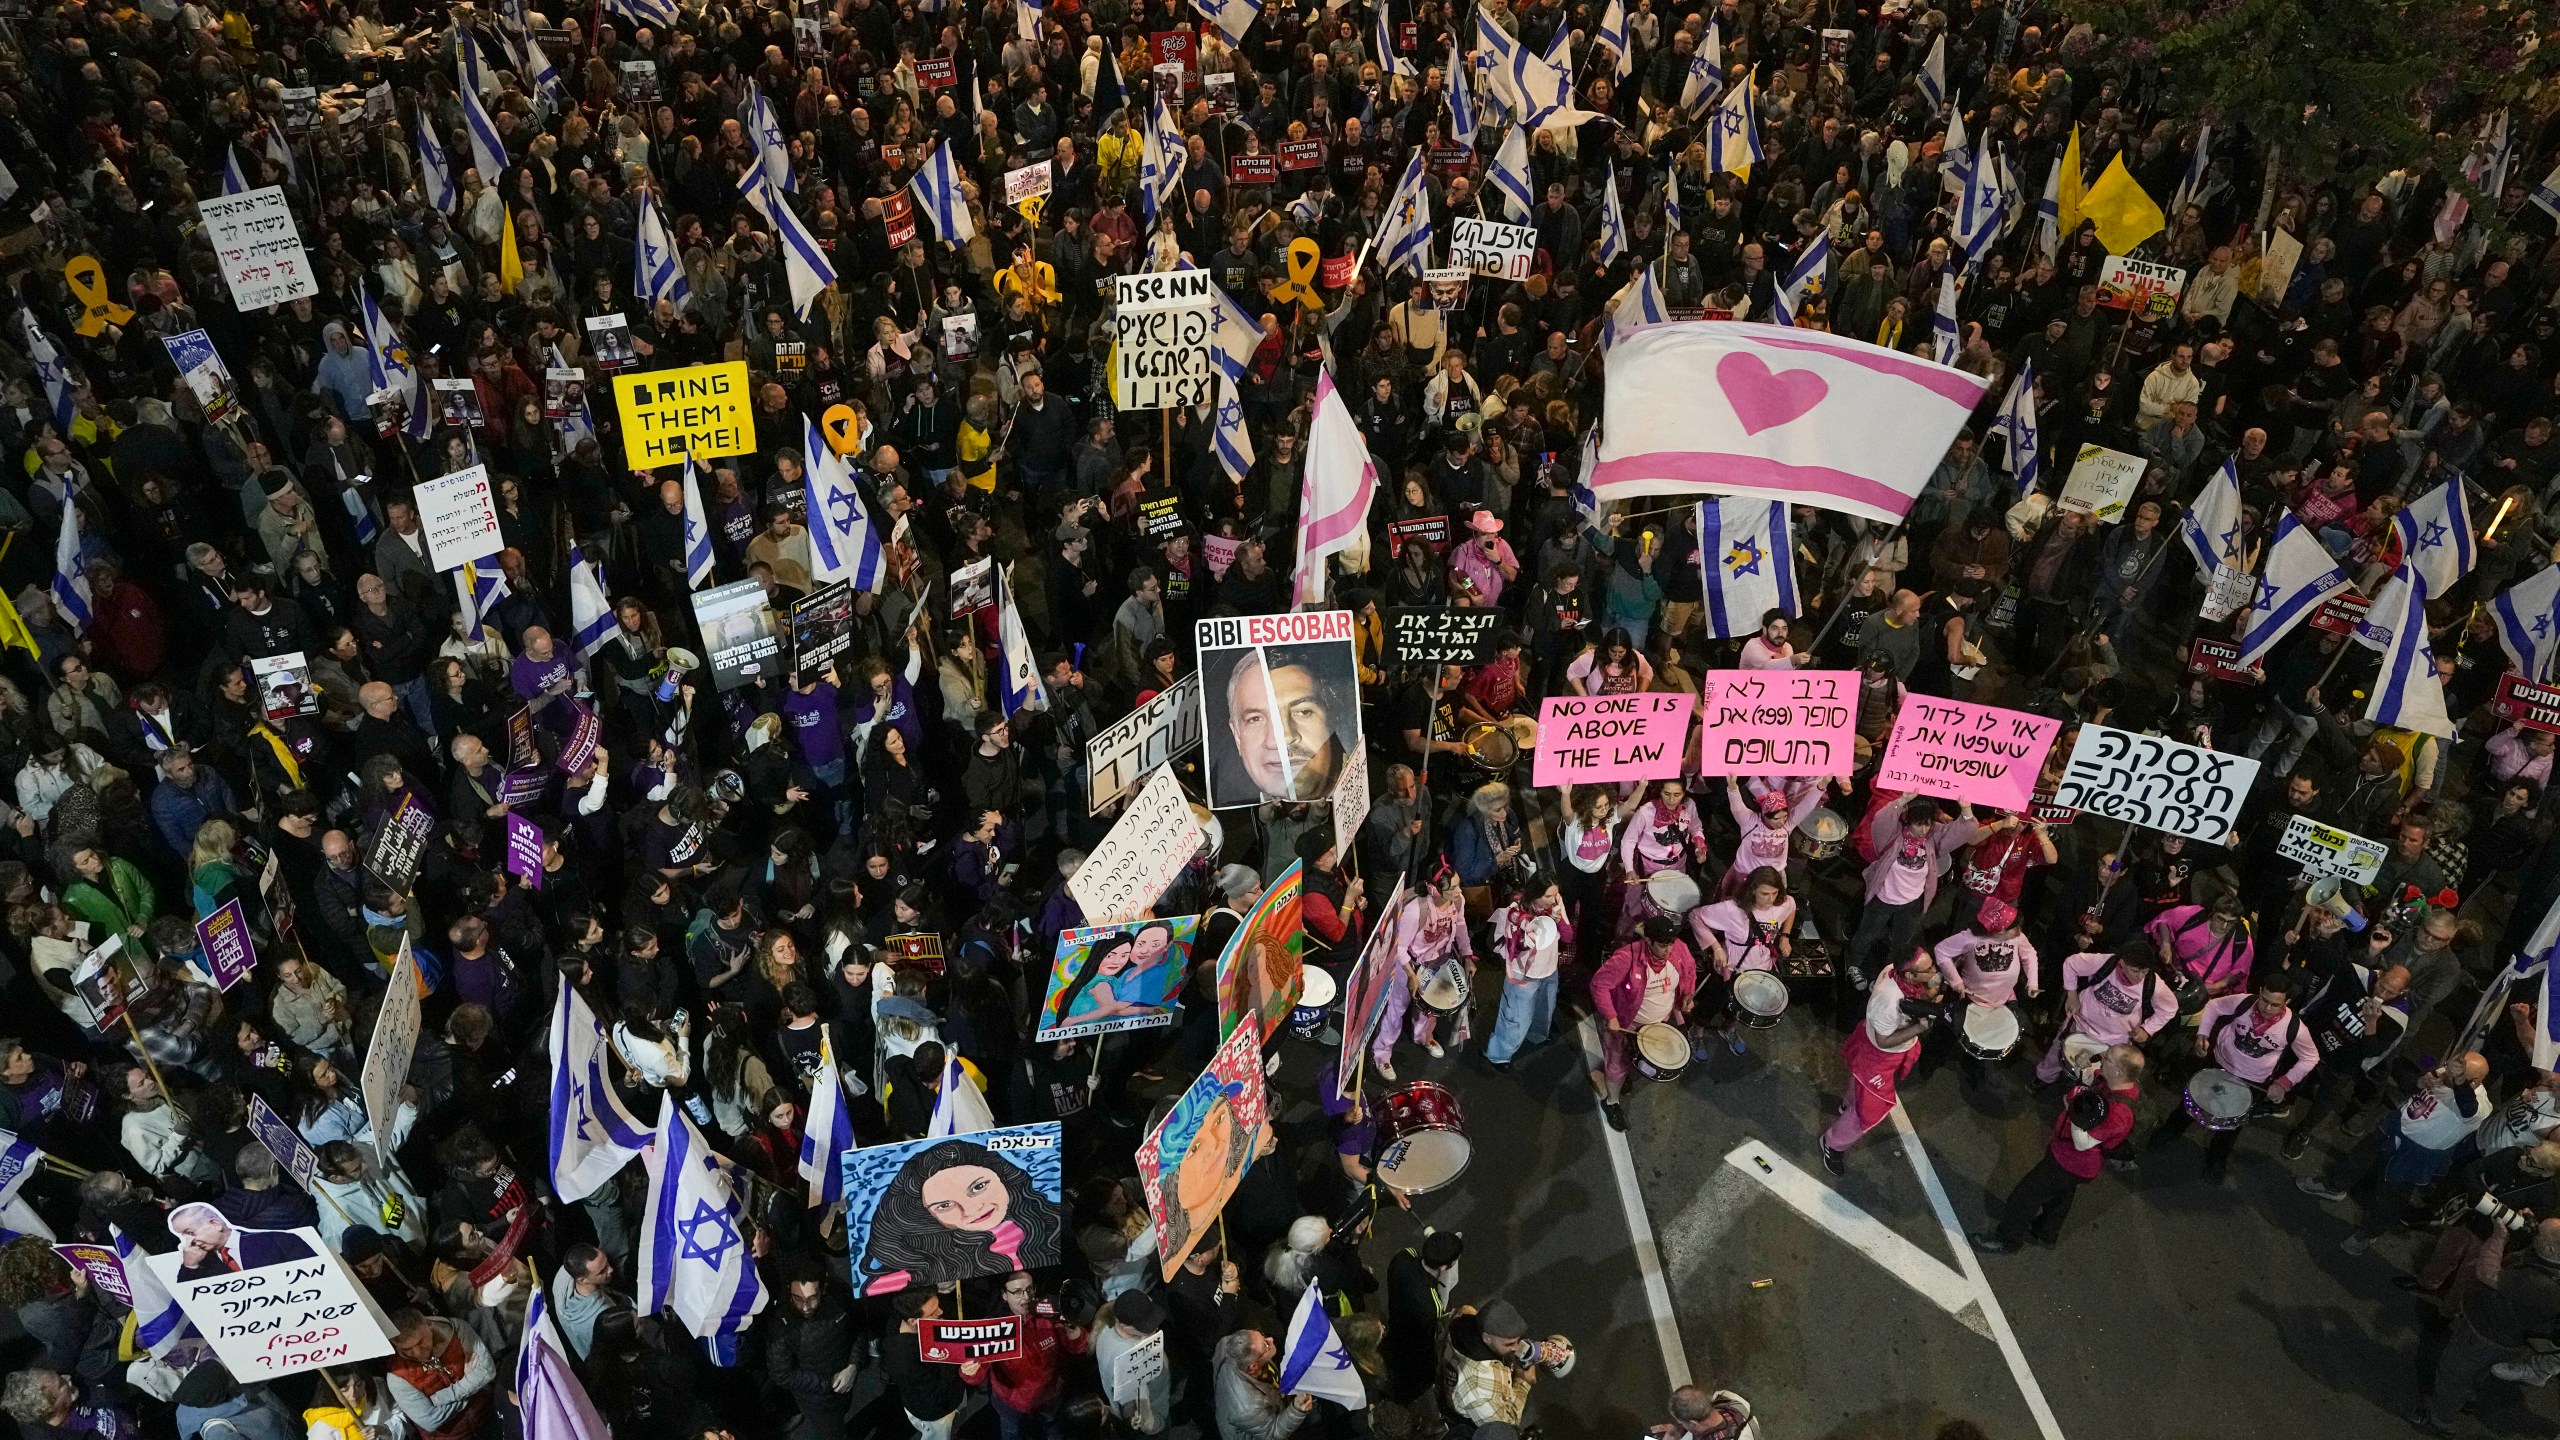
x,y
2516,1221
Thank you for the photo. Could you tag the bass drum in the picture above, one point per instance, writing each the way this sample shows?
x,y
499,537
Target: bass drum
x,y
1422,1139
1490,747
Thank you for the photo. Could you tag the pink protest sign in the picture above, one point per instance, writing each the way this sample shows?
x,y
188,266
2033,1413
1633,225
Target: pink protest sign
x,y
1584,738
1778,722
1962,751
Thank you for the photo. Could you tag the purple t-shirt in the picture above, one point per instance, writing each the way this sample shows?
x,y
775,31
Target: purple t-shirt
x,y
529,677
812,718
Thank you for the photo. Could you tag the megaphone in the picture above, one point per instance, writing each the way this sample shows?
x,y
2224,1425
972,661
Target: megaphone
x,y
671,677
2325,895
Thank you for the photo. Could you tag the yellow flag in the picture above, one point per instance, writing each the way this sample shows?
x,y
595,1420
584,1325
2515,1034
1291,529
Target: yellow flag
x,y
13,627
2125,214
2067,209
510,264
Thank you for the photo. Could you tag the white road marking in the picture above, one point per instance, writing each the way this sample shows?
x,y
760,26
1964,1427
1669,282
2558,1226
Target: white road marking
x,y
1937,1282
2001,1334
1622,1166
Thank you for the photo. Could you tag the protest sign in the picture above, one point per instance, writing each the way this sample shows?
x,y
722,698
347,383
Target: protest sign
x,y
1263,967
1220,552
584,730
200,365
1123,976
609,342
1963,751
740,640
2156,782
2340,614
457,402
1583,738
918,950
1491,248
102,1267
394,860
700,410
1301,154
223,936
961,1342
1351,802
938,74
1139,1366
973,587
280,1303
1431,530
1022,184
107,980
892,1206
459,514
294,1154
2145,288
821,629
1147,847
1161,326
2214,660
524,850
394,1045
1194,1159
259,247
2522,702
284,685
1254,169
2327,850
1141,742
1280,696
2230,590
1778,722
2101,481
1442,637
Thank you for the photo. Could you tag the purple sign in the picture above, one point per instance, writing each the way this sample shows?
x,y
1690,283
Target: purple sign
x,y
523,787
524,850
224,938
581,744
103,1267
282,1141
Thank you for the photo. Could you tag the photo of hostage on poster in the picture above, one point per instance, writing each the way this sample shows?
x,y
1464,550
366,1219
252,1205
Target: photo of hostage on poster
x,y
1280,705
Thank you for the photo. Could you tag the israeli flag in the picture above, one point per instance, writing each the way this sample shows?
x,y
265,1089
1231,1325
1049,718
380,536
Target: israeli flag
x,y
2528,615
1746,552
1733,134
937,192
1638,305
435,172
1510,174
1613,221
1238,334
1019,673
70,579
1671,196
1978,212
804,265
1803,279
282,155
1027,15
959,1107
2190,189
2408,693
2298,575
1613,33
532,61
1704,84
2022,454
2436,538
2049,213
50,369
769,140
1234,446
697,530
1946,342
1232,17
18,1160
660,13
1586,502
554,1405
2546,196
479,590
488,152
1404,241
590,614
235,181
1955,156
593,1134
1384,38
159,1326
844,544
1316,1362
693,1253
1933,75
657,271
388,359
1462,107
2211,525
1497,47
1543,86
829,1131
1160,162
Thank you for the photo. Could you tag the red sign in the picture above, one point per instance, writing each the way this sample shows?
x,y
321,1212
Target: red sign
x,y
2212,659
1452,159
1408,37
1337,270
2050,816
956,1342
1254,169
898,212
937,74
1301,155
2522,702
1431,530
2339,613
1167,47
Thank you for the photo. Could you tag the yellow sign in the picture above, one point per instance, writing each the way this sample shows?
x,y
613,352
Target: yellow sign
x,y
98,309
1303,257
843,431
702,410
1032,207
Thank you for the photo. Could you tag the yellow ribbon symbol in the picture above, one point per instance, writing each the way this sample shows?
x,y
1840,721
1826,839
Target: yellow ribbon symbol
x,y
1032,206
1300,286
98,309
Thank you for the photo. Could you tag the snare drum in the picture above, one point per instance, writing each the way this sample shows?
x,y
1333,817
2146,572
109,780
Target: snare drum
x,y
1422,1139
1760,998
1821,835
1662,1052
1315,999
1490,747
1990,1031
1672,892
2219,1100
1445,991
1523,730
2080,1055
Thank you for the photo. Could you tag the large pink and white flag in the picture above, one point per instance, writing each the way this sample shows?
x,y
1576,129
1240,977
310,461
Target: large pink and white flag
x,y
1335,491
1714,407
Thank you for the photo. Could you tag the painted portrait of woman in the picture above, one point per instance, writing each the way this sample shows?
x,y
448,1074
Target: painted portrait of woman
x,y
957,1209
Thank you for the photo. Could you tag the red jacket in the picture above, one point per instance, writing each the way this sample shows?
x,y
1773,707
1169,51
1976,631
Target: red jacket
x,y
1618,989
1030,1383
2111,1132
126,632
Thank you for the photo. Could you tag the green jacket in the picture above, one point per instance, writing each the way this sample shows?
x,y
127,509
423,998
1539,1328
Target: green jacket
x,y
126,899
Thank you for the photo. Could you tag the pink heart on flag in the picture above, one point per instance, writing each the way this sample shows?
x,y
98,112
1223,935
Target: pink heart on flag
x,y
1764,399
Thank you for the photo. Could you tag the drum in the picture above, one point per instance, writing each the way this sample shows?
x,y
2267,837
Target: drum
x,y
1662,1052
1760,998
1490,747
1445,991
1821,835
1523,730
1990,1031
1315,998
1422,1139
1808,960
2218,1100
2080,1054
1672,892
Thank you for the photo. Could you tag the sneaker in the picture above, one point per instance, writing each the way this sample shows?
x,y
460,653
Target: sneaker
x,y
2124,1164
2314,1185
1617,1115
2355,1243
1834,1161
1433,1050
2294,1145
1386,1072
2521,1372
1733,1040
2421,1420
1991,1243
1271,1066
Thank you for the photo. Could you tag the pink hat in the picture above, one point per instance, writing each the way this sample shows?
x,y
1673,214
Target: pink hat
x,y
1485,522
1994,917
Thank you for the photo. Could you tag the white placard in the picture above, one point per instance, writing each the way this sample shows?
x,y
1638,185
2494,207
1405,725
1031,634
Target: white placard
x,y
259,246
394,1045
2102,480
1161,326
459,513
290,1305
2231,589
1150,843
2156,782
1489,247
1022,184
2146,288
1351,801
1141,742
2328,850
1137,1368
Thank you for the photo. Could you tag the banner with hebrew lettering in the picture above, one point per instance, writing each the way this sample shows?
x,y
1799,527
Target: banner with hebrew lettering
x,y
2156,782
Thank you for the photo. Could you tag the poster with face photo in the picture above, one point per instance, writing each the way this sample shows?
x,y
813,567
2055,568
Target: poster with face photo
x,y
1196,1157
941,1210
609,341
457,402
1280,696
1259,973
1110,978
270,1302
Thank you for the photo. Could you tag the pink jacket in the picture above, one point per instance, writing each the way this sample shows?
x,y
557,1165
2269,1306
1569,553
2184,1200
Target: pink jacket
x,y
2193,949
1949,835
1643,852
1618,989
1427,935
1763,843
2112,1004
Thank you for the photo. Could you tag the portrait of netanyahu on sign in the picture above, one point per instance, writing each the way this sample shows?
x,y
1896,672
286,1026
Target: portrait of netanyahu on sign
x,y
1282,720
210,1245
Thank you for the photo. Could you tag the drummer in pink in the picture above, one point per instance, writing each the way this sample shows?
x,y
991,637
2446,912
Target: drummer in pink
x,y
2209,944
2116,999
1766,822
1663,833
1649,981
1901,1006
1430,933
2262,1043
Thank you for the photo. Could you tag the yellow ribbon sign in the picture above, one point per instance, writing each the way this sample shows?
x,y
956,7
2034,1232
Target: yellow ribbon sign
x,y
98,309
1032,207
1300,286
842,429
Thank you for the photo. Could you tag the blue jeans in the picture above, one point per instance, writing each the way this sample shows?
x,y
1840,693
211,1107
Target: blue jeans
x,y
421,705
1528,1012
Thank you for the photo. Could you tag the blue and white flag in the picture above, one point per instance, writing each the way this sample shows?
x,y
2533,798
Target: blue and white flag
x,y
1315,1361
769,140
1462,106
19,1159
1509,175
1238,334
2546,196
1638,305
159,1326
388,360
52,372
1703,85
937,192
1933,75
1232,17
2190,189
2436,538
2528,615
554,1405
70,577
1955,156
591,619
1586,502
1978,211
2298,575
2049,213
2408,693
488,152
1613,33
1671,197
1543,87
1613,221
435,172
479,591
1803,279
1497,47
693,1247
1160,161
2211,525
697,530
660,13
1733,133
515,29
1230,441
844,544
235,181
1383,36
657,271
1946,342
1746,554
1404,239
2022,453
804,265
1027,15
593,1134
1017,672
959,1106
828,1132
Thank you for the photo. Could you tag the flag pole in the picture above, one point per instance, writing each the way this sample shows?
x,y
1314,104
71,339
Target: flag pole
x,y
355,1418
